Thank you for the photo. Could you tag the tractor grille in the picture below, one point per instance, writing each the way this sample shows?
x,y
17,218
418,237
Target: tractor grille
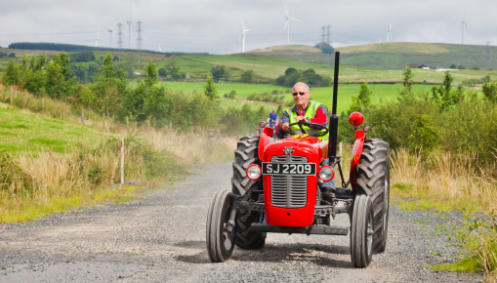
x,y
289,191
293,159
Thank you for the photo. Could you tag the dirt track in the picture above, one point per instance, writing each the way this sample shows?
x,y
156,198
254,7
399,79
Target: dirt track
x,y
161,238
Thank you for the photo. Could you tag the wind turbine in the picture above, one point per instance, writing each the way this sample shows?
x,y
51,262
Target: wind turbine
x,y
243,31
110,36
462,30
288,18
98,37
159,47
389,33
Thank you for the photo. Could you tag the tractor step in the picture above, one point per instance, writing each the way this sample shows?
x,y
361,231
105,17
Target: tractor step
x,y
314,229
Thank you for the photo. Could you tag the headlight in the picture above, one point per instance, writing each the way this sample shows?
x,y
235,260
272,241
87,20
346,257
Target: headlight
x,y
326,173
253,172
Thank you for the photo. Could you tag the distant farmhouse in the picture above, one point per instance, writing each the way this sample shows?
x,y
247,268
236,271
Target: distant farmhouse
x,y
426,67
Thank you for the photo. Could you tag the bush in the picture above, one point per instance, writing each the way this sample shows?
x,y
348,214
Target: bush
x,y
247,76
163,72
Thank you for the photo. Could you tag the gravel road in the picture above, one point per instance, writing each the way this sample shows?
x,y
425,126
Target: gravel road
x,y
161,238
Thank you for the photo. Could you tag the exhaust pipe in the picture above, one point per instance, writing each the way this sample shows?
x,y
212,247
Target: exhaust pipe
x,y
333,125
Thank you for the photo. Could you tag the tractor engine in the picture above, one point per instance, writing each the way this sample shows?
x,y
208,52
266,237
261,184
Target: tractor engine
x,y
290,199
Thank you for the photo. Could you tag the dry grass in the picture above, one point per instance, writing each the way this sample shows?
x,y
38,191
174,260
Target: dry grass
x,y
41,183
451,179
191,147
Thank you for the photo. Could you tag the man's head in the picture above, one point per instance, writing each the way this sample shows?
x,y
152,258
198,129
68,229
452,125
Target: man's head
x,y
301,94
273,111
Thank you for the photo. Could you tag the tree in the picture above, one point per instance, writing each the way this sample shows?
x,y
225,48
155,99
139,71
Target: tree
x,y
173,70
108,68
363,100
407,80
210,88
490,91
218,73
85,56
453,66
247,76
64,61
163,72
290,71
34,82
11,74
12,55
327,81
281,80
151,74
55,80
325,48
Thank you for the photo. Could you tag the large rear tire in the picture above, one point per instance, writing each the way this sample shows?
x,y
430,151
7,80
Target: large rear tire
x,y
246,154
361,234
219,236
374,180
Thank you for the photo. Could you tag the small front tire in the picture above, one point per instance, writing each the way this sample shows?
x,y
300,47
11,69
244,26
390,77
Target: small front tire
x,y
361,234
220,236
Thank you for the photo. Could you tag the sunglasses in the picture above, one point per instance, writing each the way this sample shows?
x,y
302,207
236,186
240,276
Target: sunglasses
x,y
295,93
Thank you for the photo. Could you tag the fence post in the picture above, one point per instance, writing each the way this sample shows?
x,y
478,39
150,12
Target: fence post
x,y
43,103
82,116
27,100
11,95
122,161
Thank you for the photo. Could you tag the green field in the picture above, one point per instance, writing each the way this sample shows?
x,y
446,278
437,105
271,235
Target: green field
x,y
22,131
382,92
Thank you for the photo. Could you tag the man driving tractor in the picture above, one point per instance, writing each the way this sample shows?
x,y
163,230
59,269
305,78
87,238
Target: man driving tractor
x,y
307,111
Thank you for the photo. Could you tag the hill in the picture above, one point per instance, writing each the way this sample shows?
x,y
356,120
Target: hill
x,y
392,55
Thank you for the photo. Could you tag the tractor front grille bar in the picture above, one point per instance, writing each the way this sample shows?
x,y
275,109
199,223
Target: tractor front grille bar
x,y
288,191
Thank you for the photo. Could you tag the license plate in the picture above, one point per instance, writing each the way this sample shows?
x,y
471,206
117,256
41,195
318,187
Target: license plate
x,y
306,169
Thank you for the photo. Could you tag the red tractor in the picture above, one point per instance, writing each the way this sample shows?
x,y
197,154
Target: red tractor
x,y
275,188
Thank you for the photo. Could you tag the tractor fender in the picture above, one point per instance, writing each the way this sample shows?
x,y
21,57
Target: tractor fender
x,y
360,136
266,138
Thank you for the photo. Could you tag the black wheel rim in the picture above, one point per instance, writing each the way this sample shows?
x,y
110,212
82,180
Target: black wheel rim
x,y
228,232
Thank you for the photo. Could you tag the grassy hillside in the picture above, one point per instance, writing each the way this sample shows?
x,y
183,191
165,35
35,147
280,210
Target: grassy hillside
x,y
394,55
378,63
23,131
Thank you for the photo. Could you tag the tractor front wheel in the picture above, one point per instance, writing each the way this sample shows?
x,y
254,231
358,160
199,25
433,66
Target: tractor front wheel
x,y
361,234
220,233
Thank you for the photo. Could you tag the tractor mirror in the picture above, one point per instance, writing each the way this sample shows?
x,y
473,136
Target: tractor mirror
x,y
356,119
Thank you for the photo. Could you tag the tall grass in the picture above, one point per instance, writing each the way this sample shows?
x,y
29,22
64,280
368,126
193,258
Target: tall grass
x,y
41,183
452,179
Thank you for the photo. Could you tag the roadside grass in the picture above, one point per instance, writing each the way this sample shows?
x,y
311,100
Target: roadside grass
x,y
446,182
443,182
50,162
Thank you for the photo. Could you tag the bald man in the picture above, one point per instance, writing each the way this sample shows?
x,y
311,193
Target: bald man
x,y
307,111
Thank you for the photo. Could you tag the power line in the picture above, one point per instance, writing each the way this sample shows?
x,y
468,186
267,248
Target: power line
x,y
139,39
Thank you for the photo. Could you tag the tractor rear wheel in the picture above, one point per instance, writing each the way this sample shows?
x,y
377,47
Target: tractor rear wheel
x,y
220,235
374,180
246,154
361,234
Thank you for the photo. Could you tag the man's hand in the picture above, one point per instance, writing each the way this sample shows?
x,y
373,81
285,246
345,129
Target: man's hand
x,y
300,119
286,126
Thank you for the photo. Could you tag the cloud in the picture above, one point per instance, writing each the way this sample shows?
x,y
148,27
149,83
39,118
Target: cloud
x,y
214,26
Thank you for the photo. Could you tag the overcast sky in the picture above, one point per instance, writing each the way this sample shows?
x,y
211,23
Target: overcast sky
x,y
214,26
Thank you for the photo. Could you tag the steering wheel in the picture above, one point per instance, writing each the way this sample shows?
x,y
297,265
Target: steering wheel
x,y
313,126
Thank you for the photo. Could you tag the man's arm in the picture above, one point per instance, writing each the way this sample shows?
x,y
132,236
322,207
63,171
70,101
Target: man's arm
x,y
285,119
321,116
